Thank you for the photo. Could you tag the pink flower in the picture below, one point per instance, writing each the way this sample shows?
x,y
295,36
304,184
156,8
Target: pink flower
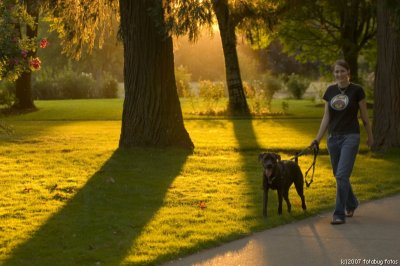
x,y
35,63
24,53
43,43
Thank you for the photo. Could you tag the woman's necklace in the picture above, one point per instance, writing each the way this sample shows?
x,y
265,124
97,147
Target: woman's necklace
x,y
343,90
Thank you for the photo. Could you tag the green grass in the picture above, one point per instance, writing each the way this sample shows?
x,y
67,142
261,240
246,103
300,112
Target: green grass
x,y
111,109
70,197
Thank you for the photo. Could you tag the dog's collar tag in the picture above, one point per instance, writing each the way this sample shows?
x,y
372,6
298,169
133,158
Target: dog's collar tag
x,y
270,180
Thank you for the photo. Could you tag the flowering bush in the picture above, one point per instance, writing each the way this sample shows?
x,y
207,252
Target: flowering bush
x,y
17,51
43,43
34,63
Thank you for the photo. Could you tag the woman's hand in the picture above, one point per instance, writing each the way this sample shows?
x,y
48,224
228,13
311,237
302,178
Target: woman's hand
x,y
314,145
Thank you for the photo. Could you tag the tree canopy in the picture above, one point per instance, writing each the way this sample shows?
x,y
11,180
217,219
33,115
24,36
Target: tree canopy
x,y
326,30
16,49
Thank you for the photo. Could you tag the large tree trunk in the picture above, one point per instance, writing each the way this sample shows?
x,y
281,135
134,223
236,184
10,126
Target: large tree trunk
x,y
351,57
351,35
23,85
152,114
357,27
386,123
237,99
23,92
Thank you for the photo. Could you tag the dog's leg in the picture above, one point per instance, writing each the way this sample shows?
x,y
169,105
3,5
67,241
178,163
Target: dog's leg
x,y
286,197
279,201
265,202
300,191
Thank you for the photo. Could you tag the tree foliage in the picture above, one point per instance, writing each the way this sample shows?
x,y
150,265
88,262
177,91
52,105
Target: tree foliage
x,y
325,30
187,17
82,24
17,50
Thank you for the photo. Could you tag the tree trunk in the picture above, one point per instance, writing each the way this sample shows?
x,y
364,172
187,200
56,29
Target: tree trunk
x,y
351,35
23,92
23,85
357,27
351,58
152,115
237,100
386,126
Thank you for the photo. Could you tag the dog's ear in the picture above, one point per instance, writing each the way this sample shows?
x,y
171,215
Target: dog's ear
x,y
261,157
277,156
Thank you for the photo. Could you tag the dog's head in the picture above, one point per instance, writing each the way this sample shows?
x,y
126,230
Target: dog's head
x,y
269,161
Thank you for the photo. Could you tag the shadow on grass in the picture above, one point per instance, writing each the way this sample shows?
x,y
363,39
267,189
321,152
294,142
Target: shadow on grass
x,y
249,148
101,222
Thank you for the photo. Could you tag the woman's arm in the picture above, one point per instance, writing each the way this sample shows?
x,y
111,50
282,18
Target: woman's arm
x,y
365,120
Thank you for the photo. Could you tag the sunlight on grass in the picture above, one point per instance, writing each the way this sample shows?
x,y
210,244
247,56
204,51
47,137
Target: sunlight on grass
x,y
42,169
279,134
69,197
205,203
217,196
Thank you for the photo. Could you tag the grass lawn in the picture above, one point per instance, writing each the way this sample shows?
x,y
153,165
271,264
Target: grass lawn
x,y
70,197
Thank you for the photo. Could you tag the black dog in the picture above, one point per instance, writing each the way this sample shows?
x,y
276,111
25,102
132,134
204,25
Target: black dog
x,y
280,175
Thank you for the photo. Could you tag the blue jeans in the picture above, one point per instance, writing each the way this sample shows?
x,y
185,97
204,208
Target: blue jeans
x,y
343,150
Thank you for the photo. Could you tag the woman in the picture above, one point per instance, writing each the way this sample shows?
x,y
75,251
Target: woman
x,y
343,100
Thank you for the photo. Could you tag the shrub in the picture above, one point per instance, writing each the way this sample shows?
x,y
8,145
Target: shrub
x,y
7,93
109,87
264,92
77,86
183,77
71,85
211,92
318,88
297,85
47,89
64,85
270,85
249,90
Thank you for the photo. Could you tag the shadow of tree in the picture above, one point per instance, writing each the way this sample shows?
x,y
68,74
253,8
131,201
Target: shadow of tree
x,y
100,223
249,148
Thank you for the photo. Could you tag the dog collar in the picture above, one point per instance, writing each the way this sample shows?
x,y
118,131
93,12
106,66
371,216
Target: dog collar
x,y
270,180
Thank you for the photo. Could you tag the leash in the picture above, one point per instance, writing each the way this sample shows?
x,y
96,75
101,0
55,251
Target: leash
x,y
312,166
315,151
297,155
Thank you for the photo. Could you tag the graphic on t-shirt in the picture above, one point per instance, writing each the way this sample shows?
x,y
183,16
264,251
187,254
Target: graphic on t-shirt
x,y
339,102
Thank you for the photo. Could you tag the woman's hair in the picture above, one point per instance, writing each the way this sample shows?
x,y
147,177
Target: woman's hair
x,y
342,63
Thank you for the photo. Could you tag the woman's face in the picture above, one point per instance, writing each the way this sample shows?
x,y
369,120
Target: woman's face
x,y
341,74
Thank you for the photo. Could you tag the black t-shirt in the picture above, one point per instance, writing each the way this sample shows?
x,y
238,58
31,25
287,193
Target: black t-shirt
x,y
343,108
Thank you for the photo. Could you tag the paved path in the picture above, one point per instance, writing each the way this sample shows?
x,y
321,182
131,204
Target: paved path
x,y
371,237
